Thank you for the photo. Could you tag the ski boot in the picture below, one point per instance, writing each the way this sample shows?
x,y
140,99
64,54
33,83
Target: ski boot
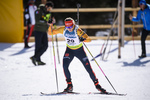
x,y
142,56
69,87
41,63
33,59
99,88
27,47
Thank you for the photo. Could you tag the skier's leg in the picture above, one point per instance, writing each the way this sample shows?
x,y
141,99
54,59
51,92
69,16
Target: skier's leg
x,y
43,47
30,33
68,57
143,38
83,58
81,55
38,44
26,37
37,47
69,87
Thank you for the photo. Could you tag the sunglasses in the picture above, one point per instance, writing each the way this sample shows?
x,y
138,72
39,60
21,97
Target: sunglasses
x,y
69,26
141,4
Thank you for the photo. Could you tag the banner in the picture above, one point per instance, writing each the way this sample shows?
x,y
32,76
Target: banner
x,y
11,21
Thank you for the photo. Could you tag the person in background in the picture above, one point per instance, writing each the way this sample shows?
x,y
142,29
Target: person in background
x,y
43,18
74,37
29,21
144,15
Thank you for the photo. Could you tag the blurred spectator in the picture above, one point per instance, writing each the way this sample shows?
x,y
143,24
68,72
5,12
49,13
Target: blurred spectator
x,y
43,18
29,21
144,15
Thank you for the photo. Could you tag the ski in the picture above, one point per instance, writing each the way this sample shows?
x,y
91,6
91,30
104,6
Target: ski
x,y
74,93
59,93
108,93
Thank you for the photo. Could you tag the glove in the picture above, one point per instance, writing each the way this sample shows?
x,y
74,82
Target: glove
x,y
46,18
50,21
81,39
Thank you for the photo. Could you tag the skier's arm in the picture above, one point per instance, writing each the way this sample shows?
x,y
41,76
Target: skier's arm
x,y
55,31
138,18
83,35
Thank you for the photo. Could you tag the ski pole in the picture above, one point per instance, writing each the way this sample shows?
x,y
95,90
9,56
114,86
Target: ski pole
x,y
54,60
110,44
103,54
109,49
133,44
114,21
100,68
49,38
57,49
133,39
78,6
101,49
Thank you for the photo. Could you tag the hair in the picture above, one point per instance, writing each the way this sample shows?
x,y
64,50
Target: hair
x,y
33,0
49,4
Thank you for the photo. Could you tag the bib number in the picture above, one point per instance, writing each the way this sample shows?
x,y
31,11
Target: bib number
x,y
70,41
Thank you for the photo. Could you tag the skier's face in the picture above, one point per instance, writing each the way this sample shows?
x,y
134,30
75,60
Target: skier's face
x,y
49,9
31,1
142,6
70,29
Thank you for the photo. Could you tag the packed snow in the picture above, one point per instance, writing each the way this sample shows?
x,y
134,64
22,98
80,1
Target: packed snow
x,y
21,80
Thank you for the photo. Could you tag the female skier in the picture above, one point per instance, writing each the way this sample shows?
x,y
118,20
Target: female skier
x,y
74,37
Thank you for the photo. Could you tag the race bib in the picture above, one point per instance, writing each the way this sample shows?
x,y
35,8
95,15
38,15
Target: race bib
x,y
72,38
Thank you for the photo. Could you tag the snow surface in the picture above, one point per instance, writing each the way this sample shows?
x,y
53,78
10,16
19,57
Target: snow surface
x,y
21,80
